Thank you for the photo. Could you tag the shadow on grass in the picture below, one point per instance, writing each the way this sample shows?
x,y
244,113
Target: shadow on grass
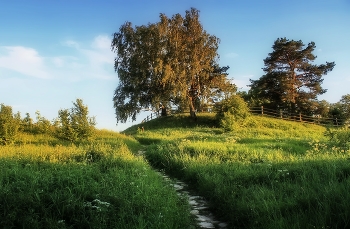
x,y
175,121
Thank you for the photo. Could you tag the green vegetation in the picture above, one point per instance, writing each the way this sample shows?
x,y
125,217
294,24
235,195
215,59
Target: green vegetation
x,y
72,125
51,183
265,173
292,81
255,171
173,62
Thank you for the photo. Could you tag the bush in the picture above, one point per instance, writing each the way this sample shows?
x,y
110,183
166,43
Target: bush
x,y
9,124
75,124
231,112
339,137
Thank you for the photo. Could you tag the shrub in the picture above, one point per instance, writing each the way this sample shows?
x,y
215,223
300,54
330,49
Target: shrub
x,y
339,137
75,124
9,124
42,125
231,112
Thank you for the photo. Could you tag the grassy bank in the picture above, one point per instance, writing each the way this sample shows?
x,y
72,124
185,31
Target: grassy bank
x,y
267,174
47,183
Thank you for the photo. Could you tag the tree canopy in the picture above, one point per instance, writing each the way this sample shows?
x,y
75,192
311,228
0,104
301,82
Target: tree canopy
x,y
292,82
173,61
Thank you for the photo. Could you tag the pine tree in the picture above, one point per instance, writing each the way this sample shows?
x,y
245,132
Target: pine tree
x,y
292,82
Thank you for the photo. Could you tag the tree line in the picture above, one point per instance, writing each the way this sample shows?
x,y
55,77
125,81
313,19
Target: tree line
x,y
72,124
175,63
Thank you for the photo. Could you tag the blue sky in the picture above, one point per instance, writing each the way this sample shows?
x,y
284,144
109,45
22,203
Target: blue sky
x,y
53,52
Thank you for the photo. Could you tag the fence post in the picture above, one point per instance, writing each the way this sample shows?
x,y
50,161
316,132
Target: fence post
x,y
300,117
281,113
262,110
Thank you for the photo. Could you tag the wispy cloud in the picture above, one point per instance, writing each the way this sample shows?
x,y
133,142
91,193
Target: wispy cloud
x,y
102,42
96,58
231,55
79,61
24,60
242,81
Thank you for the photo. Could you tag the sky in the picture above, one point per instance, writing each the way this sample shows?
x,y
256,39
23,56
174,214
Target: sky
x,y
54,52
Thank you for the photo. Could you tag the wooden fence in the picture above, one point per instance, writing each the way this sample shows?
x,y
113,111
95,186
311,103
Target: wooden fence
x,y
316,119
151,116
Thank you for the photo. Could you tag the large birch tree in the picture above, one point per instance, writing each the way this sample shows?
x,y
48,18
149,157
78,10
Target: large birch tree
x,y
173,61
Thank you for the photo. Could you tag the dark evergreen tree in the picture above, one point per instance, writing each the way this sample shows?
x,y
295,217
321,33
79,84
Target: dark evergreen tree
x,y
291,81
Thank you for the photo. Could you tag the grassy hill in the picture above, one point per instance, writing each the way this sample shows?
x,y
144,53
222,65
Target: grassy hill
x,y
50,183
268,173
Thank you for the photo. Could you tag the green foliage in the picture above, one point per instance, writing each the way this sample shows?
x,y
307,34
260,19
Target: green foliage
x,y
291,81
101,185
339,137
65,129
27,124
232,111
268,173
173,61
9,124
345,108
81,122
42,125
75,124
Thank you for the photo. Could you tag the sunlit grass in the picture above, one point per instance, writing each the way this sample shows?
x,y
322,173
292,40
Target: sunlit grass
x,y
46,183
266,174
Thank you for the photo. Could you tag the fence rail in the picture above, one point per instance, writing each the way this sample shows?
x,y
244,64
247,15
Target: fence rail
x,y
150,117
316,119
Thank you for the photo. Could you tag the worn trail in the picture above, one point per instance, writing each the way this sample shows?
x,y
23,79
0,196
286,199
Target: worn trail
x,y
200,209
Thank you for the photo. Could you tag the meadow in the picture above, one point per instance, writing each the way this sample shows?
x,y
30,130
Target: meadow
x,y
50,183
267,173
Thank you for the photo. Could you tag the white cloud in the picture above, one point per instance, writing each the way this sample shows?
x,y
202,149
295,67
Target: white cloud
x,y
58,61
231,55
242,81
24,60
72,63
71,43
94,61
102,42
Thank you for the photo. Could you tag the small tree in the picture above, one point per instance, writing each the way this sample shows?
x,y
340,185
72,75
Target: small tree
x,y
345,106
231,112
65,130
9,124
82,124
27,124
42,125
75,124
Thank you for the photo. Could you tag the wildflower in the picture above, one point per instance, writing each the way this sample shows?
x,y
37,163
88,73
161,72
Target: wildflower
x,y
96,204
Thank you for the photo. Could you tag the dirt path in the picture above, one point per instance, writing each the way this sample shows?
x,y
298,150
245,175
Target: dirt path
x,y
200,208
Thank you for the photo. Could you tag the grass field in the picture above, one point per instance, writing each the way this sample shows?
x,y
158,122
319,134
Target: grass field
x,y
268,173
47,183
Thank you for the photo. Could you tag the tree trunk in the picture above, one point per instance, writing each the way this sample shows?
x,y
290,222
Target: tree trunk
x,y
192,109
163,113
293,108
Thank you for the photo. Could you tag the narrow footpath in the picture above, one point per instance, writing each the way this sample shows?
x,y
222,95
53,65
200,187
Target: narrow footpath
x,y
200,209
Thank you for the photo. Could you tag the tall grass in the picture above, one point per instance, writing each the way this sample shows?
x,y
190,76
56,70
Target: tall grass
x,y
46,183
266,174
